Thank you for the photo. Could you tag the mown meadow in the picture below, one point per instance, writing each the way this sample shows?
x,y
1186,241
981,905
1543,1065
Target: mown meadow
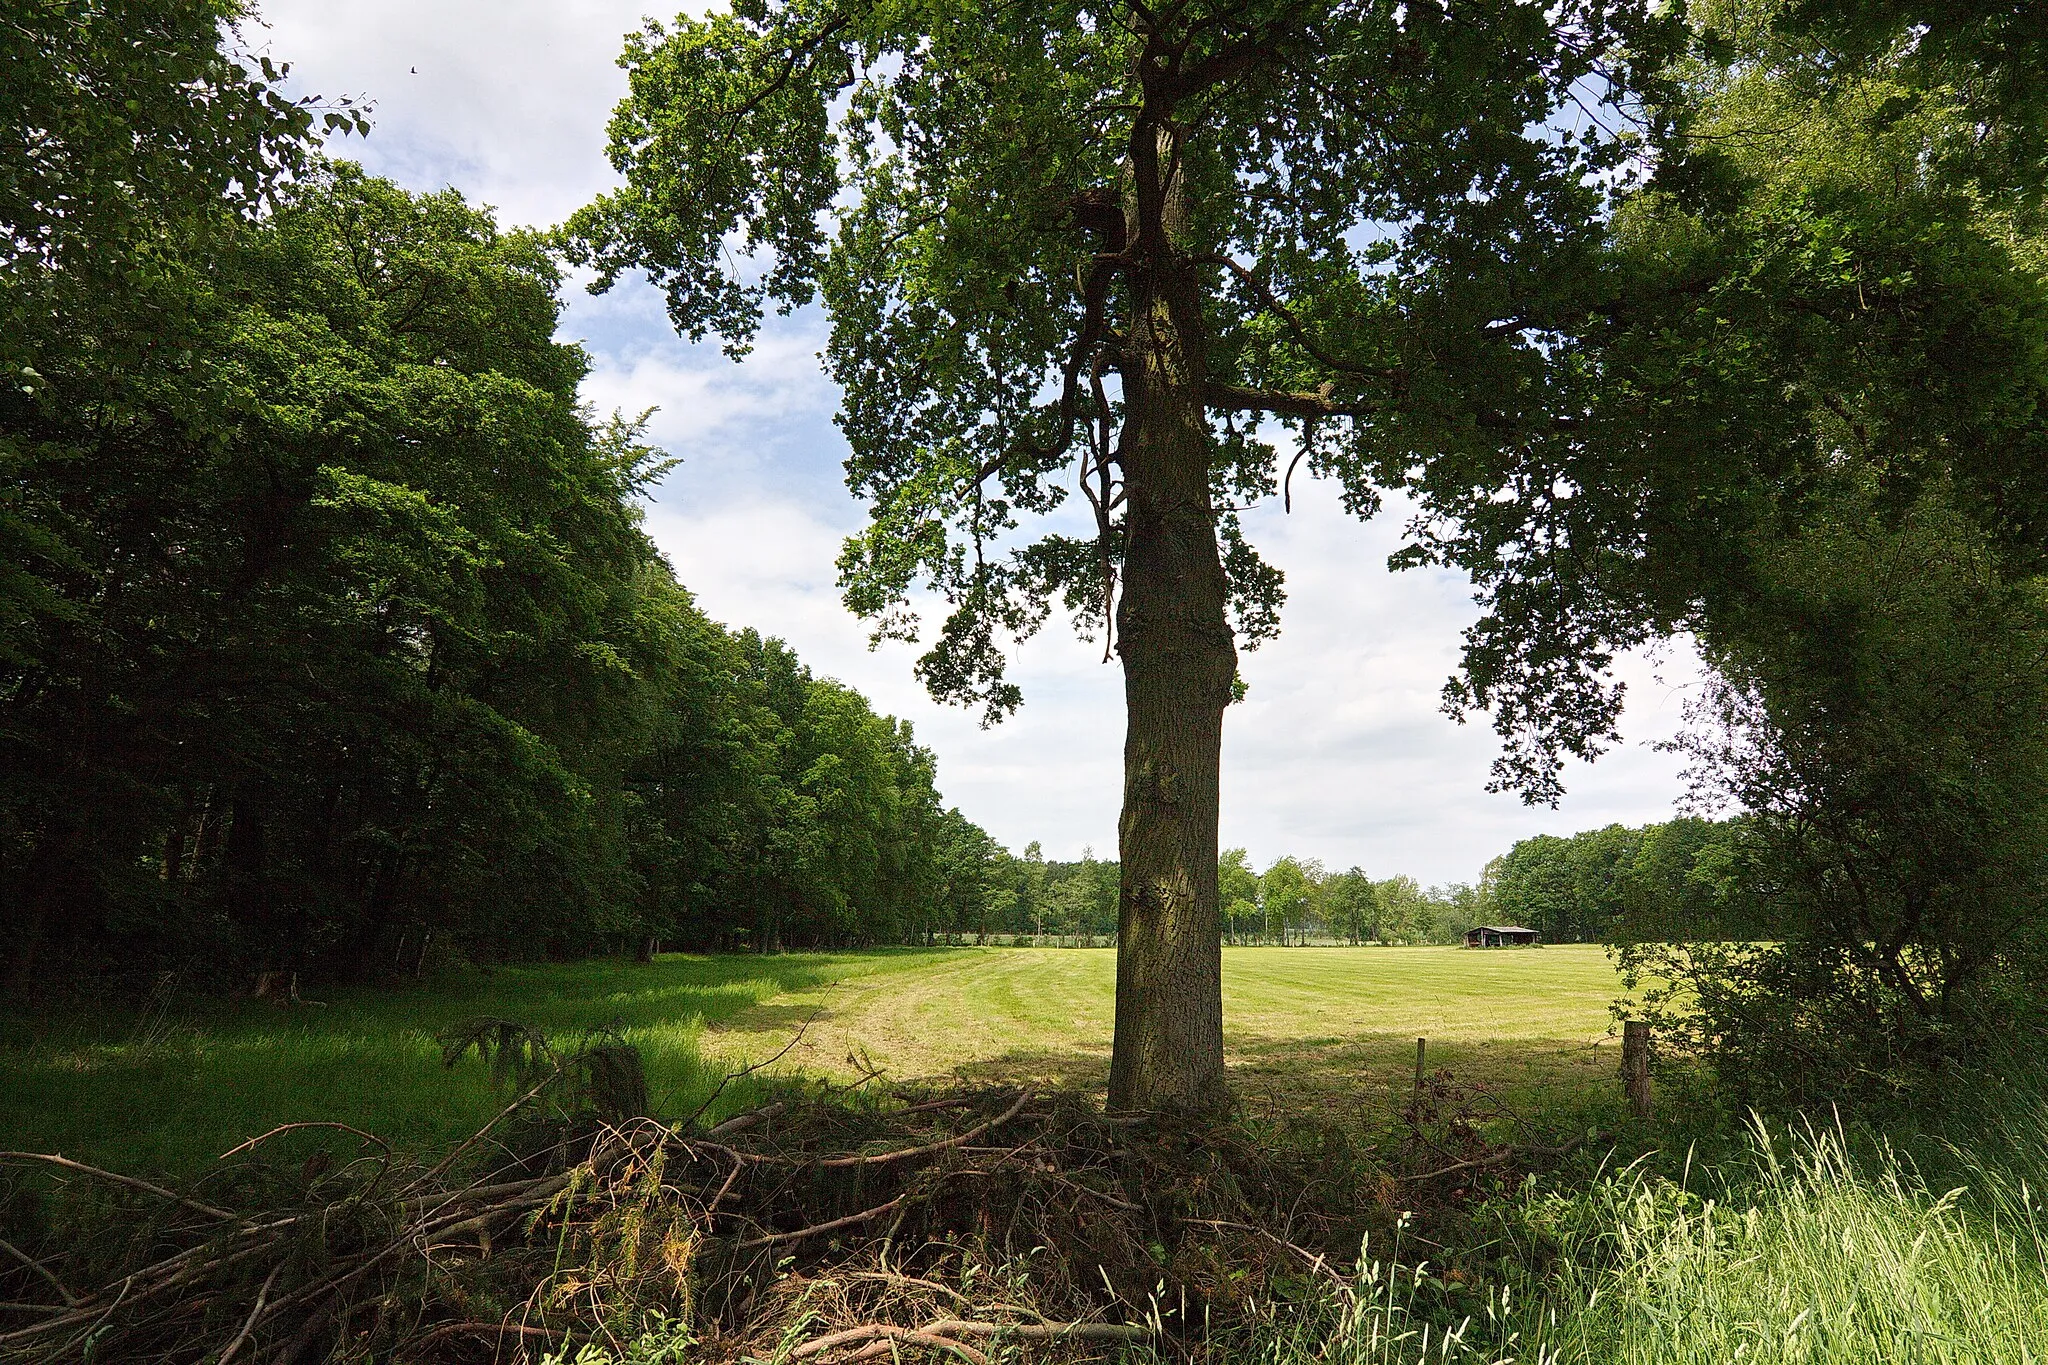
x,y
171,1084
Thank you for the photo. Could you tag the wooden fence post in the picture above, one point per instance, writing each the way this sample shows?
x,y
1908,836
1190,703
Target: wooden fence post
x,y
1635,1066
1421,1044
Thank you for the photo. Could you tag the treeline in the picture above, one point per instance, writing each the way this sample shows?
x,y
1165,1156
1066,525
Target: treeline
x,y
1678,880
330,640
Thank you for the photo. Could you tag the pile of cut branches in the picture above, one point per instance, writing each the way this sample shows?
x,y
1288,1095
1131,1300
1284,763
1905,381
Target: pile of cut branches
x,y
956,1223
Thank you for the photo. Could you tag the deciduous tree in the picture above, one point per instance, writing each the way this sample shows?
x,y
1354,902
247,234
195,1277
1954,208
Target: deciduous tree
x,y
1117,243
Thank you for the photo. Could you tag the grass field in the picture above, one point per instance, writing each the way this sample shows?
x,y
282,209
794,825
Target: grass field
x,y
1800,1253
1331,1029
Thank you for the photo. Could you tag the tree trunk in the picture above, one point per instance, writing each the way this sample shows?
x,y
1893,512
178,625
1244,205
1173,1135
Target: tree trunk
x,y
1179,661
40,890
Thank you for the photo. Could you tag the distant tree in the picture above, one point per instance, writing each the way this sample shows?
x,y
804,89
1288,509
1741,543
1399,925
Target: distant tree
x,y
1134,233
1028,891
1352,906
1237,892
1287,895
1671,880
1404,909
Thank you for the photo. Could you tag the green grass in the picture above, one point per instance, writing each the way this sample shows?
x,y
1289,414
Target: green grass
x,y
1802,1255
1799,1255
1331,1028
1328,1029
167,1094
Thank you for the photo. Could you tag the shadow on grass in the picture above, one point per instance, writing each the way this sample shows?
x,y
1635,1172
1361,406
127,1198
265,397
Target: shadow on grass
x,y
167,1094
1365,1080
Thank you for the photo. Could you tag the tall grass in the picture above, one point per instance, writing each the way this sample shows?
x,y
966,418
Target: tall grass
x,y
1825,1259
1809,1254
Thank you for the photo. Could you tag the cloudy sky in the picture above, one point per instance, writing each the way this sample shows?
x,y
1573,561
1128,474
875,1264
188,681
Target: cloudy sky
x,y
1338,752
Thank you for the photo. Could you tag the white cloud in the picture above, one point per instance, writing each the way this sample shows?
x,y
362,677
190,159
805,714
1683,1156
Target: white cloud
x,y
506,99
1339,751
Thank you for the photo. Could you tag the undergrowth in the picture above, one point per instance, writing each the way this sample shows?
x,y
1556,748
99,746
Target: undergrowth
x,y
977,1226
1815,1247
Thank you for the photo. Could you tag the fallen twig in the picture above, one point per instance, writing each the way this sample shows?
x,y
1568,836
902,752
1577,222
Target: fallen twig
x,y
941,1333
906,1153
732,1076
315,1123
499,1329
1048,1331
1508,1155
884,1336
741,1122
249,1323
814,1229
130,1181
70,1299
1316,1260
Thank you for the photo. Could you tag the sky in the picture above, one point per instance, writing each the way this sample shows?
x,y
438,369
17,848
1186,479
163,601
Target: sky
x,y
1338,752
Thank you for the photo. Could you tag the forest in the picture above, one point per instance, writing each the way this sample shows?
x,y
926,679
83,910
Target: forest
x,y
333,641
427,935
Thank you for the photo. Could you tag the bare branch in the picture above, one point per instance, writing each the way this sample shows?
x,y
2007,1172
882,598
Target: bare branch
x,y
745,1071
249,1323
904,1154
833,1225
70,1299
130,1181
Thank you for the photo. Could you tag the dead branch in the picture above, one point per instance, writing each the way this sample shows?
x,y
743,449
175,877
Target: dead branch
x,y
814,1229
865,1214
745,1071
1508,1154
884,1336
907,1153
1049,1331
70,1299
741,1122
249,1323
130,1181
290,1127
1315,1260
475,1329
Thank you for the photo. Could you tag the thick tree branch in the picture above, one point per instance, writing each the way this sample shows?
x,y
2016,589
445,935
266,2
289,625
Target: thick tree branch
x,y
1095,293
1274,305
1238,398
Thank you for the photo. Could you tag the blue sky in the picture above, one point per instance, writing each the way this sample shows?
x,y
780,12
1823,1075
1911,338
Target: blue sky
x,y
1338,752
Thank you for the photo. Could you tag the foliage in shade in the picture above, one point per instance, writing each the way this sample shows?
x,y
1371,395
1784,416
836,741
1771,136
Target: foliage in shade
x,y
329,636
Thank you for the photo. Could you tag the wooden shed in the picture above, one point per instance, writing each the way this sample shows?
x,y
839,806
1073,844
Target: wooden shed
x,y
1499,936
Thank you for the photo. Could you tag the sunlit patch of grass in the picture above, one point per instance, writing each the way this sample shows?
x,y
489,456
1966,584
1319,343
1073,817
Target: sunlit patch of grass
x,y
1324,1030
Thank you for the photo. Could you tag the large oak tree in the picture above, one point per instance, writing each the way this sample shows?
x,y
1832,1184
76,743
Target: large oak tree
x,y
1118,245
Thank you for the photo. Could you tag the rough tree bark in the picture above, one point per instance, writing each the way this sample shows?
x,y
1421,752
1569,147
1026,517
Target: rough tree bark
x,y
1179,660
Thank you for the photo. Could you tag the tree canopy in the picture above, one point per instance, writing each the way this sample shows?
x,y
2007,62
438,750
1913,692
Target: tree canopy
x,y
329,636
